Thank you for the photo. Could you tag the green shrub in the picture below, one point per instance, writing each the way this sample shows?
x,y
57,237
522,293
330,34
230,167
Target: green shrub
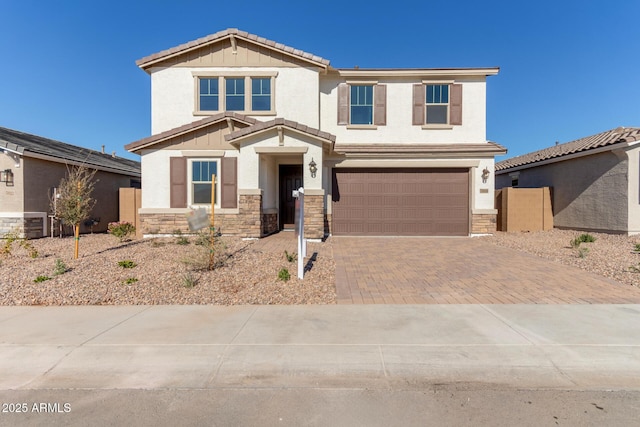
x,y
284,275
189,280
637,247
23,242
122,230
127,263
291,257
587,238
60,268
583,252
41,279
130,281
575,243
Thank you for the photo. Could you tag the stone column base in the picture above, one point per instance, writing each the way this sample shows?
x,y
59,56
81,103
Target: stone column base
x,y
483,223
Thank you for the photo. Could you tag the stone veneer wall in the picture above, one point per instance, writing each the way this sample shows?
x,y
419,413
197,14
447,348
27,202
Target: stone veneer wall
x,y
269,223
31,228
314,217
483,223
247,223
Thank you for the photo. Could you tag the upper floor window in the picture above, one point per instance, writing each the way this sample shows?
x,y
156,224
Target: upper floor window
x,y
234,94
361,105
437,105
260,94
234,91
209,94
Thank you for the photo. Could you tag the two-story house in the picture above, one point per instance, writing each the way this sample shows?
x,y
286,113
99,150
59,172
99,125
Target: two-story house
x,y
378,151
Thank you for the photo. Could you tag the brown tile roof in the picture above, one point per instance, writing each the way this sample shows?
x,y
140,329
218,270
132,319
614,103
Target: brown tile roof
x,y
198,124
260,126
603,139
148,60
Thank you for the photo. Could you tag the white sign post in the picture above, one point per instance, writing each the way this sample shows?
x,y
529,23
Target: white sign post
x,y
299,226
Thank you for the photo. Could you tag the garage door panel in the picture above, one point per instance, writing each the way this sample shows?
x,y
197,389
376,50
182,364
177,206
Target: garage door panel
x,y
426,202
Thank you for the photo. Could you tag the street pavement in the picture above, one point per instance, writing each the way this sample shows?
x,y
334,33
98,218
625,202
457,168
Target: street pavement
x,y
321,365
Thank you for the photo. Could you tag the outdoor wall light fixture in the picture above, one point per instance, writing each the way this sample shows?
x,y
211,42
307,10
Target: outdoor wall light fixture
x,y
313,168
485,175
6,176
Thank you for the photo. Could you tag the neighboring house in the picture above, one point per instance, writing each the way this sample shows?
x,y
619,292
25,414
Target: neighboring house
x,y
32,166
595,180
378,151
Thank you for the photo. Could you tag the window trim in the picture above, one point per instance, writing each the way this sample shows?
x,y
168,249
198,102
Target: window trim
x,y
447,124
373,84
222,95
190,181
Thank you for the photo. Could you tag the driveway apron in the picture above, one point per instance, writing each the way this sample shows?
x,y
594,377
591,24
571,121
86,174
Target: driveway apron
x,y
422,270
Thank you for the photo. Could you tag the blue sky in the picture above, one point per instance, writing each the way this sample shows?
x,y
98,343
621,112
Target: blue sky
x,y
569,69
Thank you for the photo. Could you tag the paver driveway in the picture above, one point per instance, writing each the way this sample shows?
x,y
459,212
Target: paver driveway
x,y
423,270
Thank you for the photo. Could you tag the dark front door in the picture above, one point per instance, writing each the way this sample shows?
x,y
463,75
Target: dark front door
x,y
290,179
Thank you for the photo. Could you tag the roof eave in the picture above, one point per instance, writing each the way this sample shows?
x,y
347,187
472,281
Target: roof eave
x,y
417,72
570,156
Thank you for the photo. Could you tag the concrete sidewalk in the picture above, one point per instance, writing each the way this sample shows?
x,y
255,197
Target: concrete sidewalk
x,y
377,346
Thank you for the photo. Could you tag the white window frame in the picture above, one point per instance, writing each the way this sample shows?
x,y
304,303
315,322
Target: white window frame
x,y
222,95
190,181
440,104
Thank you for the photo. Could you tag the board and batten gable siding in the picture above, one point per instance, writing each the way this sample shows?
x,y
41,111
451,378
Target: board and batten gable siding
x,y
179,182
468,110
173,96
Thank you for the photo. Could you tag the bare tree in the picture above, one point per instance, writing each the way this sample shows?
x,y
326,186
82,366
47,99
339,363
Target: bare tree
x,y
75,202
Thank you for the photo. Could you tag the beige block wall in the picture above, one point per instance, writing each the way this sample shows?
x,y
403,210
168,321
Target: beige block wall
x,y
524,209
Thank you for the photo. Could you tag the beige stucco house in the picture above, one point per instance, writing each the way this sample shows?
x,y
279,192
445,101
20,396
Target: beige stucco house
x,y
31,167
378,151
595,180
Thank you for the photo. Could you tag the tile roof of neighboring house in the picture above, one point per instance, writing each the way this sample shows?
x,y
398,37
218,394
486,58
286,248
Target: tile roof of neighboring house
x,y
603,139
198,124
195,44
260,126
25,144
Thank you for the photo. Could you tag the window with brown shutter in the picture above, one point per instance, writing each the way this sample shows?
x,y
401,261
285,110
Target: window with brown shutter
x,y
456,105
178,182
343,104
418,104
229,196
380,109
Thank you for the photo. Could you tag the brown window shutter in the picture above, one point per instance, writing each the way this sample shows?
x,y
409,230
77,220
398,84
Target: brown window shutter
x,y
418,104
380,108
343,104
178,179
456,105
229,183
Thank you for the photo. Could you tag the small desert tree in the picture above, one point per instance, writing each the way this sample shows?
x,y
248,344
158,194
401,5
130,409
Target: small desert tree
x,y
75,203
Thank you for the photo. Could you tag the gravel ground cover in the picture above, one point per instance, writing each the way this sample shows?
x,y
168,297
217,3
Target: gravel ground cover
x,y
610,255
165,272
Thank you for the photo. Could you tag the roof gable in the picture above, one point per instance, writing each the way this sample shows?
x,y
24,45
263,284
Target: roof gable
x,y
604,139
190,129
37,146
232,47
260,127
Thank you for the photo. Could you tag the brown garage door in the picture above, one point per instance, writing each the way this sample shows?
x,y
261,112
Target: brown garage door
x,y
400,202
